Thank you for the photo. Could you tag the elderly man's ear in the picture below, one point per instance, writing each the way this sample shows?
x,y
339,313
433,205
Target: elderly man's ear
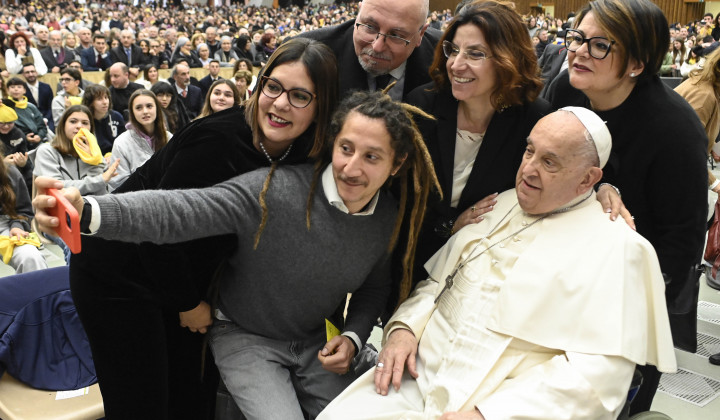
x,y
592,176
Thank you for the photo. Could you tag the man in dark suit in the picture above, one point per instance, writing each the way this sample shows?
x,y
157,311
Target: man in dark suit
x,y
38,93
191,96
56,56
97,57
122,88
208,80
551,63
387,42
129,54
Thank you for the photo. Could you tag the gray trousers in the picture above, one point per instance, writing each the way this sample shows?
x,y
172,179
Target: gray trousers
x,y
274,379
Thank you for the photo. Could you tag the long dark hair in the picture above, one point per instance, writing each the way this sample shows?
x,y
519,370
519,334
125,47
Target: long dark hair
x,y
159,134
7,192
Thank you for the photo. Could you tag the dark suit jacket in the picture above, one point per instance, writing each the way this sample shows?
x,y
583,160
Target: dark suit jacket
x,y
117,55
89,62
494,169
550,63
44,102
51,61
205,84
352,77
193,101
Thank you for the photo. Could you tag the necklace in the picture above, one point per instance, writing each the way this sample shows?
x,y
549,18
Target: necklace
x,y
470,138
450,280
267,155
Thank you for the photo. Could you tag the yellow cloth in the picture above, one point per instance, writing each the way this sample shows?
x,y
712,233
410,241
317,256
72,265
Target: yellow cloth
x,y
7,114
8,244
75,100
22,103
95,156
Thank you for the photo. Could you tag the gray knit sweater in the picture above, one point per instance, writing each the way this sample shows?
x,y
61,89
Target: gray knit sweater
x,y
296,278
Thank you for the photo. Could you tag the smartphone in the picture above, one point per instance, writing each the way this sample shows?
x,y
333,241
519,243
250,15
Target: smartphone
x,y
69,228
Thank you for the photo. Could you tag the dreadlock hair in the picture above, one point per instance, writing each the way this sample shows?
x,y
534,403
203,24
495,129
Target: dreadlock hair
x,y
320,63
410,155
7,192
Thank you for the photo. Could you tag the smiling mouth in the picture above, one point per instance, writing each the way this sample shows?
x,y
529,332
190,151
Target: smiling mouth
x,y
580,67
276,121
462,79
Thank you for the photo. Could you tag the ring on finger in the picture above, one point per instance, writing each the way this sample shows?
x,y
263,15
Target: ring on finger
x,y
472,209
380,365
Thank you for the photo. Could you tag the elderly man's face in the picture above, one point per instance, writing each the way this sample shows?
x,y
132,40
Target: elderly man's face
x,y
182,76
210,35
377,54
553,170
126,38
55,40
153,32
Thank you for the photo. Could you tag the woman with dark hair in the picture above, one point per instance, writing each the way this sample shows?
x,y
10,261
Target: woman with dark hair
x,y
615,51
148,366
222,95
243,79
145,135
242,47
484,96
716,30
266,47
3,67
22,52
176,116
60,159
109,124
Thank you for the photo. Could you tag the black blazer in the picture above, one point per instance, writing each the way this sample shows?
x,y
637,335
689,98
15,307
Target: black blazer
x,y
550,63
495,166
193,101
50,60
44,102
352,77
117,55
205,84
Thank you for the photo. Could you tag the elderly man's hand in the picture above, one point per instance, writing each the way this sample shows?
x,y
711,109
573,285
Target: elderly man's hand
x,y
337,354
42,202
465,415
611,202
399,350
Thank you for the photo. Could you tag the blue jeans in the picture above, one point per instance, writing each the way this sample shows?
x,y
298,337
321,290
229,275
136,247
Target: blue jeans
x,y
274,379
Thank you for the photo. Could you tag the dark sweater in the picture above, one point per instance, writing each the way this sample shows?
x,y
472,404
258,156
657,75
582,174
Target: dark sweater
x,y
107,130
658,163
294,279
14,142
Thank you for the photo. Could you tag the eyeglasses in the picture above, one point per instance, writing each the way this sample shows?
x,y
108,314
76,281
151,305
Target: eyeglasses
x,y
371,33
299,98
598,46
452,50
67,79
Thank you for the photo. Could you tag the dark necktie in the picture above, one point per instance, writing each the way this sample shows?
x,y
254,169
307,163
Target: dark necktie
x,y
100,62
382,81
129,55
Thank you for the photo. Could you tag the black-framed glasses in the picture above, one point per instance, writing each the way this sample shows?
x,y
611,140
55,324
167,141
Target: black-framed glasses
x,y
371,33
452,50
299,98
598,46
67,79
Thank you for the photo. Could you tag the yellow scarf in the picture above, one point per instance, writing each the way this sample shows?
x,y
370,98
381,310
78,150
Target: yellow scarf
x,y
95,156
20,104
8,244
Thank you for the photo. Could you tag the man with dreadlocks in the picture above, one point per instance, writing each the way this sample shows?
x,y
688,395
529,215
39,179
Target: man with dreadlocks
x,y
305,240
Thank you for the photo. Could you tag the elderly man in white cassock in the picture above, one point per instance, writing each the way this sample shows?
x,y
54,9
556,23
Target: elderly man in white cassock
x,y
541,311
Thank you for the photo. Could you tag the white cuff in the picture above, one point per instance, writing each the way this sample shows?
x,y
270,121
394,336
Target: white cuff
x,y
714,184
355,338
94,216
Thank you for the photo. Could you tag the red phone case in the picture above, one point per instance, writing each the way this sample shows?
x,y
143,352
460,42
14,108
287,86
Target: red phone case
x,y
69,228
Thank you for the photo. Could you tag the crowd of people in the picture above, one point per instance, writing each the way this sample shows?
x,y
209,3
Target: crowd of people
x,y
442,167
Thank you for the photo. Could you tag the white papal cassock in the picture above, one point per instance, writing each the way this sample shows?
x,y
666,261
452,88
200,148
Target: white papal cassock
x,y
547,324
